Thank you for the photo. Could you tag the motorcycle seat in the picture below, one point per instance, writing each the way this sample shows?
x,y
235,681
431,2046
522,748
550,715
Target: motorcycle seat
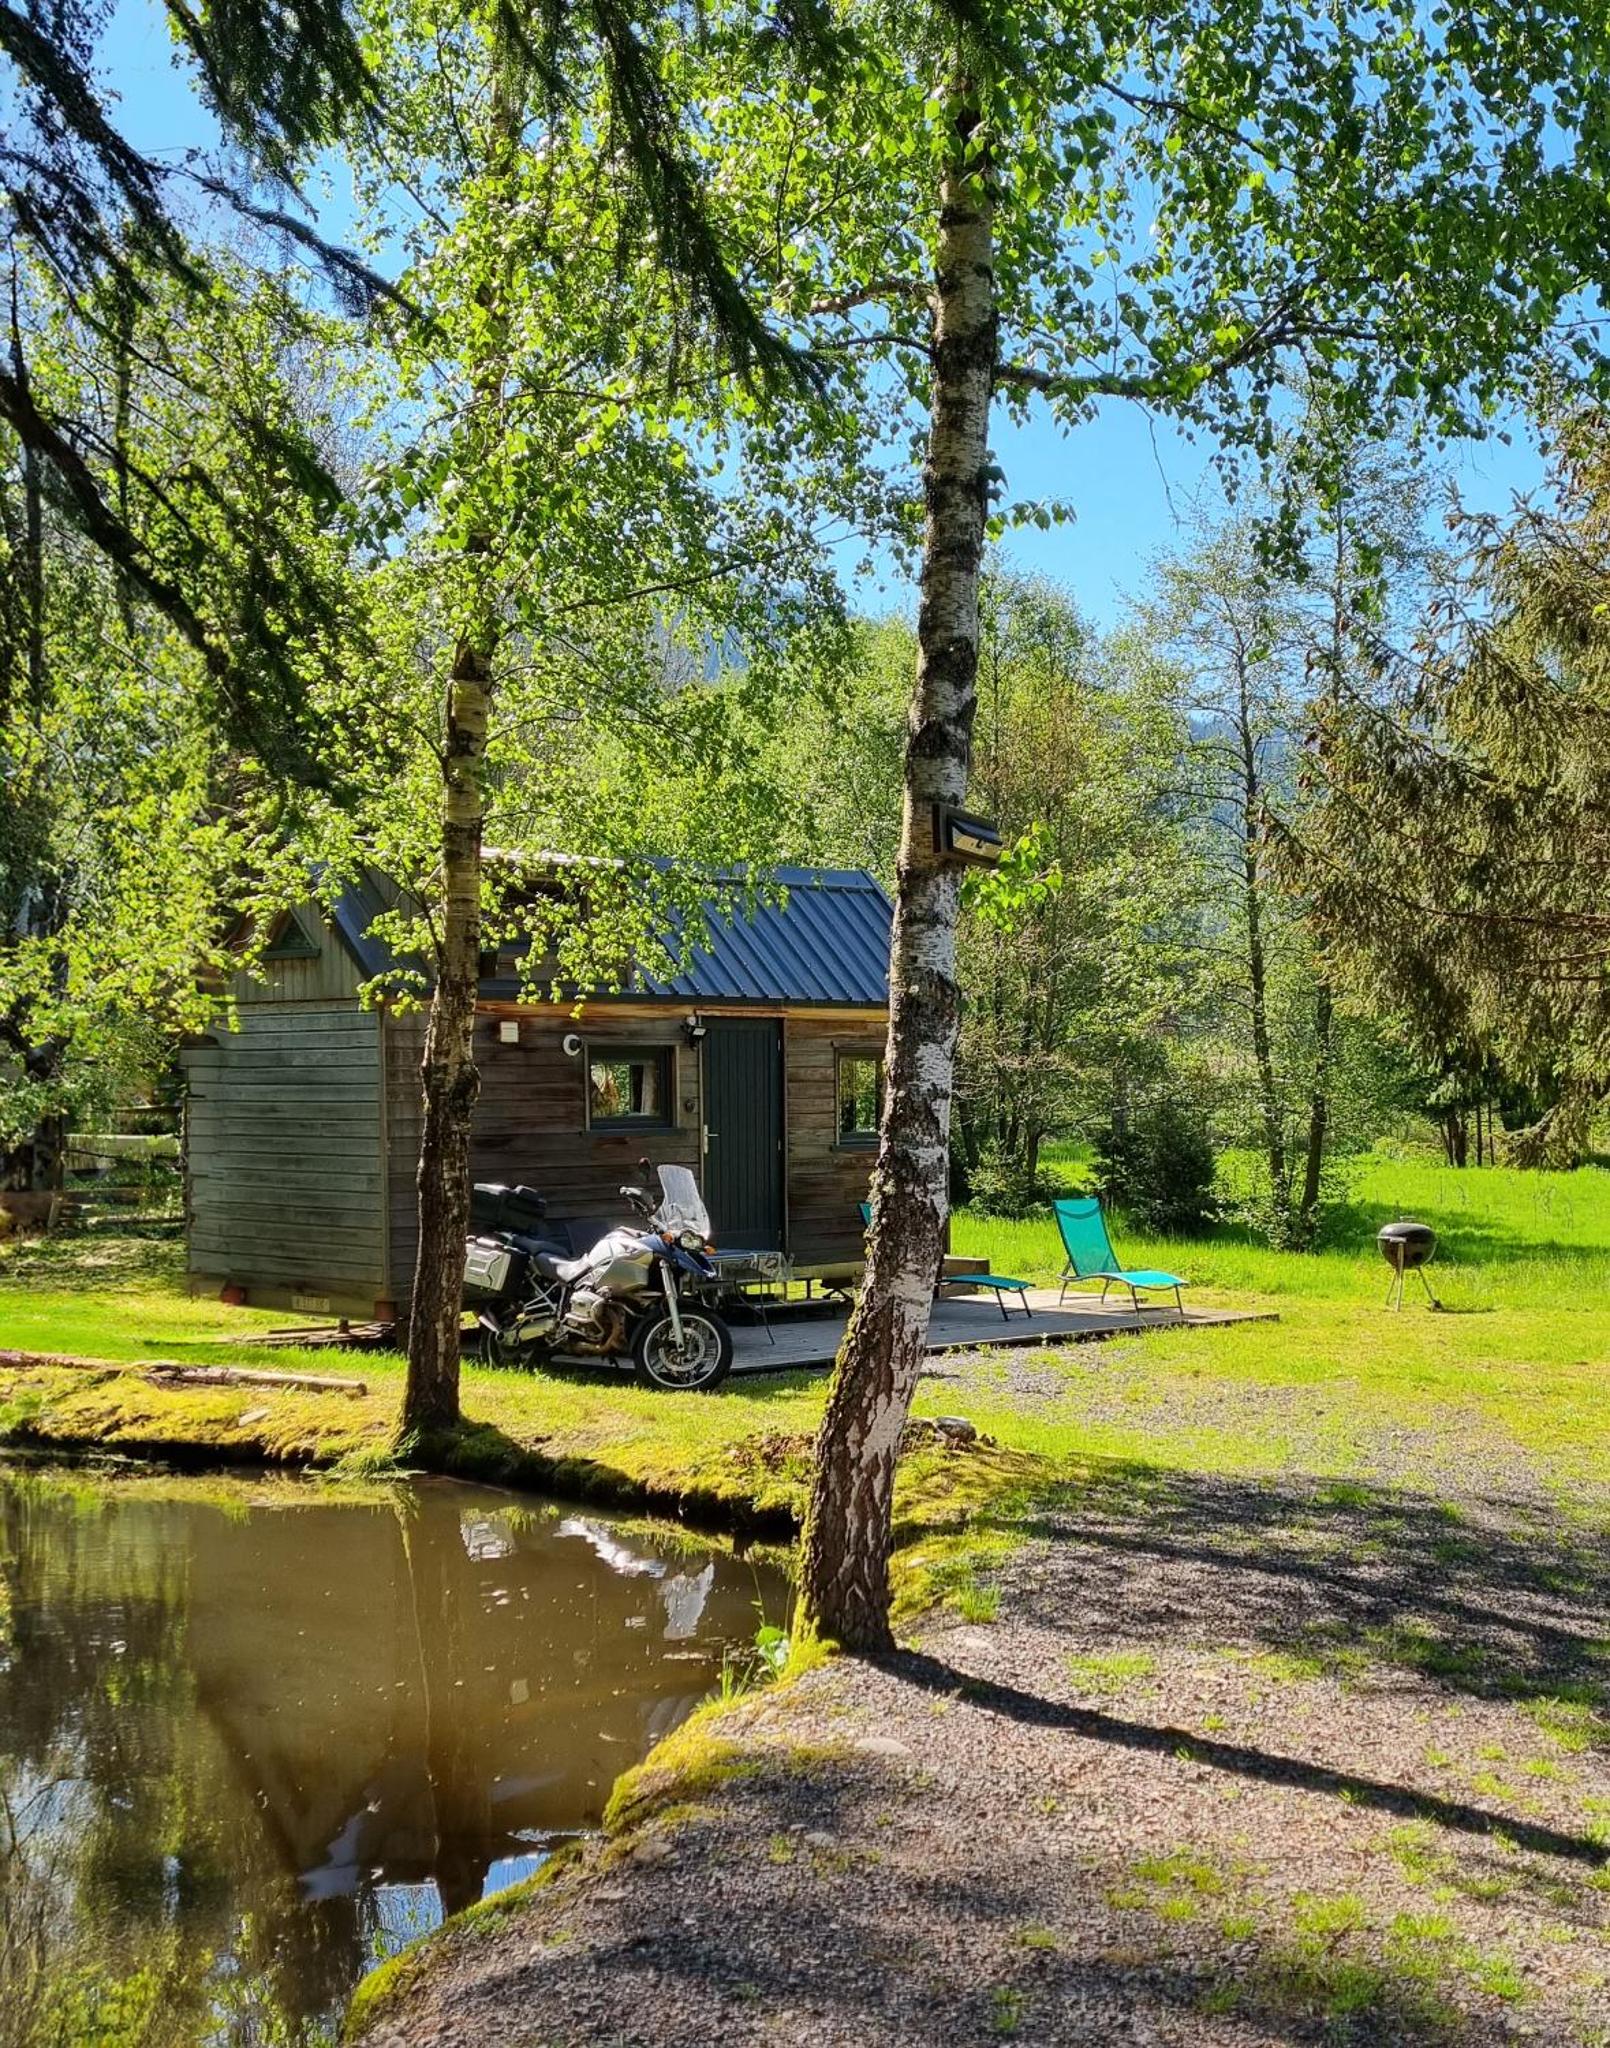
x,y
552,1267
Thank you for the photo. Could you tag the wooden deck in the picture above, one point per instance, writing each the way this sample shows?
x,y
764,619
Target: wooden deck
x,y
812,1340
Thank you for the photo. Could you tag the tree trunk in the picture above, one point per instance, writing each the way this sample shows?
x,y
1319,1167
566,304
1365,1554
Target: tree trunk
x,y
848,1528
1258,991
37,1164
1318,1116
442,1594
448,1072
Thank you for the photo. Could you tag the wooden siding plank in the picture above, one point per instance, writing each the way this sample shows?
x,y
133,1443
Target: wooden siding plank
x,y
295,1019
310,1228
257,1145
308,1276
334,1050
303,1173
285,1184
337,1071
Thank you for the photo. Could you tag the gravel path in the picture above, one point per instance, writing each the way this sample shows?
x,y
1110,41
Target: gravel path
x,y
1238,1763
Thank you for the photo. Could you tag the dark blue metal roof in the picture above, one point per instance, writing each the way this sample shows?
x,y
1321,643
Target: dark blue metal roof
x,y
827,942
352,913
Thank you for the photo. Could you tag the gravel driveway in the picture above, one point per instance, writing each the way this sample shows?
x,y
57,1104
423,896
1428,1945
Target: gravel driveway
x,y
1238,1762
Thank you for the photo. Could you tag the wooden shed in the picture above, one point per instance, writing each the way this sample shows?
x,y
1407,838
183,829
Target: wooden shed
x,y
759,1066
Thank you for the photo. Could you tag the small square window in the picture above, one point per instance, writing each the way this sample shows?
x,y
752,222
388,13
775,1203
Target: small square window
x,y
860,1097
629,1087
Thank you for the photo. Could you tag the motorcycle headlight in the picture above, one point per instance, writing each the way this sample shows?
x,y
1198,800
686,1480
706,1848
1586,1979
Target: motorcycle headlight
x,y
692,1241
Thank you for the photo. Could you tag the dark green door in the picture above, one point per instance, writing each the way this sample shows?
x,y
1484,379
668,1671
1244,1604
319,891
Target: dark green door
x,y
743,1119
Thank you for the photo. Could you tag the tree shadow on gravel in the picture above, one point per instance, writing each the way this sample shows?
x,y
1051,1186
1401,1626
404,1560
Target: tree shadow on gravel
x,y
936,1953
1494,1597
1261,1766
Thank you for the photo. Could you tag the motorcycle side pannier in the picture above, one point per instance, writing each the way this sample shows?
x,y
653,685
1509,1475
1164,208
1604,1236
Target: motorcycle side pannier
x,y
489,1269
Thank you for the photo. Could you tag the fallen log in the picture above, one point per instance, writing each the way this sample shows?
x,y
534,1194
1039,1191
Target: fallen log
x,y
169,1372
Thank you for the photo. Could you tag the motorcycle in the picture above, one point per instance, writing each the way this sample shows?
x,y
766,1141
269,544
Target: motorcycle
x,y
644,1291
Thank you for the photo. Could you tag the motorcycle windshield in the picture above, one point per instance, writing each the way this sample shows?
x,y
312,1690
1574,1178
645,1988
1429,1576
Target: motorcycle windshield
x,y
681,1205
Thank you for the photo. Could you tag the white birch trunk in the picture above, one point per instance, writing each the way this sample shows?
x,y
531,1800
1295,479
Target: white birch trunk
x,y
449,1077
450,1080
848,1530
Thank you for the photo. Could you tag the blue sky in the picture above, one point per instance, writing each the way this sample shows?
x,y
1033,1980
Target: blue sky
x,y
1127,476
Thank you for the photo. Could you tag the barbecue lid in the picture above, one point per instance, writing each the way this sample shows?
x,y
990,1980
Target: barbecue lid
x,y
1406,1240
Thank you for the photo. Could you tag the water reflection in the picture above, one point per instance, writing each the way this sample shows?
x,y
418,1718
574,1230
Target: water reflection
x,y
254,1736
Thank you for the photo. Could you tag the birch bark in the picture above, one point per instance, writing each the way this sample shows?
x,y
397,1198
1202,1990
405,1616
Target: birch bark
x,y
449,1077
450,1080
848,1529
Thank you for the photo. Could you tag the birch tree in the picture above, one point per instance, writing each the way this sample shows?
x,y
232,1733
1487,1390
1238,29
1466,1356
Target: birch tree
x,y
1171,208
564,489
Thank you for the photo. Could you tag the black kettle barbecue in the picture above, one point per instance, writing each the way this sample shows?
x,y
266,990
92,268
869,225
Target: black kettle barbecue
x,y
1407,1248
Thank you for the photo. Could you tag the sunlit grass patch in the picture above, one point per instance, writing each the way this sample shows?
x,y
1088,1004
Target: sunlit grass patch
x,y
1283,1667
1109,1672
1573,1725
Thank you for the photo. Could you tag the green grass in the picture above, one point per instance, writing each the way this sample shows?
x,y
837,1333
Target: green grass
x,y
1108,1673
1521,1362
1506,1235
123,1301
1523,1349
1517,1372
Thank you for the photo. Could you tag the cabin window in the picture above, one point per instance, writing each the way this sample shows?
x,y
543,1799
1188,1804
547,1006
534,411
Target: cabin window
x,y
293,938
629,1087
860,1098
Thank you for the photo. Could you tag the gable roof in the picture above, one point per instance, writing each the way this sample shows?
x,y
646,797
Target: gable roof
x,y
827,943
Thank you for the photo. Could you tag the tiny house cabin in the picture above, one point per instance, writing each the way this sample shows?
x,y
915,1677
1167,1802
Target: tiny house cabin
x,y
759,1066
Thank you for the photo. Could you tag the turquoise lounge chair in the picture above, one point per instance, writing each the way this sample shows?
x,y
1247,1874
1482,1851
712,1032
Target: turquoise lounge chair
x,y
1091,1256
997,1284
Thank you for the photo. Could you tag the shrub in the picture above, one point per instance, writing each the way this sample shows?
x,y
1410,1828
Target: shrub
x,y
998,1187
1157,1166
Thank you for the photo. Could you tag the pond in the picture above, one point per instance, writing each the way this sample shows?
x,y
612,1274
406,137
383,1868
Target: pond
x,y
255,1735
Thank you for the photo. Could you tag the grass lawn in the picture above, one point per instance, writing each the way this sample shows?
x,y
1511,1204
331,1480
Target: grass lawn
x,y
1339,1386
1522,1348
1298,1697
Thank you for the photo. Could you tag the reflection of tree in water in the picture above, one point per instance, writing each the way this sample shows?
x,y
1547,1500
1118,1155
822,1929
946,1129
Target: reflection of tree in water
x,y
443,1596
237,1747
124,1853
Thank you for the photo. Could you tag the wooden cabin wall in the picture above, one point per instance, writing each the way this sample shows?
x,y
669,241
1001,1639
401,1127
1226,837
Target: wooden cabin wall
x,y
531,1124
331,974
827,1181
285,1182
531,1119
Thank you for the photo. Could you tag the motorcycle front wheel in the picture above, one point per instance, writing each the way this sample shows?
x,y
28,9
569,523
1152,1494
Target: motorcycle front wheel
x,y
700,1362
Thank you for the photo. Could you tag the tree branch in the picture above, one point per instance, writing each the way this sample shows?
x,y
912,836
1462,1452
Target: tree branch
x,y
99,521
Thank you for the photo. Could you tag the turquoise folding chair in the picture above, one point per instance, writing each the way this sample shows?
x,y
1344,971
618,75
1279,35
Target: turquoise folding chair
x,y
1091,1257
998,1284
